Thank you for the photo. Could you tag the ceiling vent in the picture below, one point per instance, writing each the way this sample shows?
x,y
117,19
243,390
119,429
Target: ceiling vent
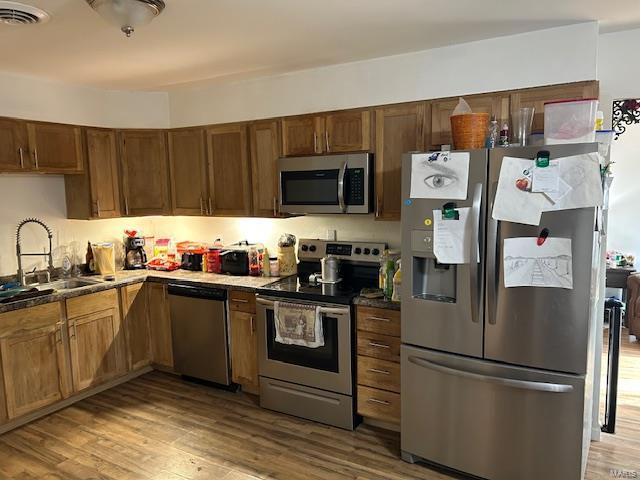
x,y
13,13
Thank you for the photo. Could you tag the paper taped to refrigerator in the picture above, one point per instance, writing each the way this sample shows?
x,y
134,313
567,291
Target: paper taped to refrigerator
x,y
440,175
451,238
514,202
580,181
527,264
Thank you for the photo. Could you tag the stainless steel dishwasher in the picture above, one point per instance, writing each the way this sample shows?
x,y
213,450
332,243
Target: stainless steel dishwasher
x,y
199,328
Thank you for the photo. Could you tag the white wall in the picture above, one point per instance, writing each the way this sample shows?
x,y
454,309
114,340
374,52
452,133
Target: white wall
x,y
618,73
558,55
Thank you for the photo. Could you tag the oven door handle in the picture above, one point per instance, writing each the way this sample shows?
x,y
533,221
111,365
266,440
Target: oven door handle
x,y
323,310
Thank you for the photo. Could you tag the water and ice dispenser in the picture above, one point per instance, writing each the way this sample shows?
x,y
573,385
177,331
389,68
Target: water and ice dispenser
x,y
430,280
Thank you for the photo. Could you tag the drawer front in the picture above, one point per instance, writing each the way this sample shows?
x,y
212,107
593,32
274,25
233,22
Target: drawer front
x,y
381,374
240,301
375,345
379,404
92,303
379,320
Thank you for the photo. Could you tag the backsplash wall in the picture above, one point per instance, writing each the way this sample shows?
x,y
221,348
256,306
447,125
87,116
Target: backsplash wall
x,y
44,197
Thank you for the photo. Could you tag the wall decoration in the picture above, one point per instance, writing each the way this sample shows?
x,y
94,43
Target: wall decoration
x,y
625,112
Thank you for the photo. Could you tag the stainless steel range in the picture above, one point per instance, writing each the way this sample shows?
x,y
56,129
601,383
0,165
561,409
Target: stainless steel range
x,y
316,383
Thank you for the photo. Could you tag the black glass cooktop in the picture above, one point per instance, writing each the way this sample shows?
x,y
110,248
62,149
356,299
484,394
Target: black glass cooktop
x,y
354,279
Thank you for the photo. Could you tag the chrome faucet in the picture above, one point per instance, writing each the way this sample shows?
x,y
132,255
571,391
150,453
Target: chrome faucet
x,y
21,276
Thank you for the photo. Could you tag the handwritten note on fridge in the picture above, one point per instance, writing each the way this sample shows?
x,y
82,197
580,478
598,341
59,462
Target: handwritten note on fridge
x,y
452,238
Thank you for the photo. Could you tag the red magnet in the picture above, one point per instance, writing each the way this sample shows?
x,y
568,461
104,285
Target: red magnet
x,y
543,236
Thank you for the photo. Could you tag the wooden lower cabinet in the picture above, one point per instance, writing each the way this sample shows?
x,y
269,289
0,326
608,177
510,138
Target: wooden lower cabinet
x,y
135,318
244,340
96,339
35,370
160,323
378,364
244,351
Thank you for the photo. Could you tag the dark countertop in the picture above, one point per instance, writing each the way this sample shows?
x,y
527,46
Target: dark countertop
x,y
377,303
128,277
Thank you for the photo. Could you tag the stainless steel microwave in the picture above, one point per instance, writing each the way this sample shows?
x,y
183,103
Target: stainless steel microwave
x,y
326,184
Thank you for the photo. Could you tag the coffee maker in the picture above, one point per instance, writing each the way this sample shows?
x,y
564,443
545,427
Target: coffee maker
x,y
135,256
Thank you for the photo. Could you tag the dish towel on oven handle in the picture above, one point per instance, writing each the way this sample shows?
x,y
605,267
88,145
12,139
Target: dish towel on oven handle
x,y
298,324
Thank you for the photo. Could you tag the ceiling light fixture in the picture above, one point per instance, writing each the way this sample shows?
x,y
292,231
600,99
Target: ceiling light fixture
x,y
128,14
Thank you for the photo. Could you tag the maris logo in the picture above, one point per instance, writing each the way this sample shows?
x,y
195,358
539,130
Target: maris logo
x,y
615,473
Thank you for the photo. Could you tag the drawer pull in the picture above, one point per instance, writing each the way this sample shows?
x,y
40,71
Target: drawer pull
x,y
239,300
375,400
375,370
379,319
379,345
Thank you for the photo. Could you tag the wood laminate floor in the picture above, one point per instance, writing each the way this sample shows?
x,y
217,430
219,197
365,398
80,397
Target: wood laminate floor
x,y
158,427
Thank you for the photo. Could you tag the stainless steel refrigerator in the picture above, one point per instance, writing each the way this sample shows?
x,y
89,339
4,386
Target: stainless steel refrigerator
x,y
497,382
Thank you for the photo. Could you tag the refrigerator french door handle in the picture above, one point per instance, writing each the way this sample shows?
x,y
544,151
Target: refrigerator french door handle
x,y
505,382
473,257
492,258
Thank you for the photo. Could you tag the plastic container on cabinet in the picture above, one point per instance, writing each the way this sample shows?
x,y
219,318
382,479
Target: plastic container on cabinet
x,y
570,121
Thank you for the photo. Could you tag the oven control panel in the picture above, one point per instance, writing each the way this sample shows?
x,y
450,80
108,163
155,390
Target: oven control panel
x,y
314,249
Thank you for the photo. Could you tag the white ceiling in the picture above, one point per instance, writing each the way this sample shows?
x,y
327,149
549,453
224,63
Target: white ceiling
x,y
195,40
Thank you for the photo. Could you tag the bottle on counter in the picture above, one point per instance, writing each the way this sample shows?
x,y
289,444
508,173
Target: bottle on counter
x,y
264,263
274,267
492,134
90,265
397,282
254,262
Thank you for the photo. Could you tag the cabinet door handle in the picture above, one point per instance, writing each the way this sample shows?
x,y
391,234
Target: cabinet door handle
x,y
326,140
20,152
377,207
379,345
210,207
275,207
379,319
315,142
98,207
253,324
35,157
375,400
75,331
126,205
375,370
201,205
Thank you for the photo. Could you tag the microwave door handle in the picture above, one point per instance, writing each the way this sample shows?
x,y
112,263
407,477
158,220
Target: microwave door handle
x,y
473,256
343,172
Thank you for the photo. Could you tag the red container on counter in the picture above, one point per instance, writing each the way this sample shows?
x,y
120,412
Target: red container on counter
x,y
214,262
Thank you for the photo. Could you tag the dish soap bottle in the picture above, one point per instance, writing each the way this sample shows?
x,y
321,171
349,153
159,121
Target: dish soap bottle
x,y
397,281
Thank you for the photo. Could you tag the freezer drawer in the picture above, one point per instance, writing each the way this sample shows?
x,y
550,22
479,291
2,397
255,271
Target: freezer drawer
x,y
489,420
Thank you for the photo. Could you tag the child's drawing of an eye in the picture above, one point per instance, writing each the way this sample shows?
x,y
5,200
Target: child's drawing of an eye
x,y
439,180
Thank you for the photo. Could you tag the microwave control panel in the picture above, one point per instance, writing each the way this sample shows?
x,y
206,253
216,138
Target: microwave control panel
x,y
354,186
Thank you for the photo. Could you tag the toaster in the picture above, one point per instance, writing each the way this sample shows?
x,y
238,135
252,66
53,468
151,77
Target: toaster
x,y
235,262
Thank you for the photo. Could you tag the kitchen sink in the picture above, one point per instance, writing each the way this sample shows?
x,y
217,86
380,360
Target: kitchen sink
x,y
70,284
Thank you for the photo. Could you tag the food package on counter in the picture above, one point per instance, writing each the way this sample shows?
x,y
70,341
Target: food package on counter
x,y
162,264
287,240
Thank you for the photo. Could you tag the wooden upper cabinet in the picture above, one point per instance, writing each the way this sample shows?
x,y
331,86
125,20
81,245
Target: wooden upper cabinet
x,y
336,132
188,162
348,131
96,193
145,172
135,317
96,339
14,146
536,97
264,143
229,176
399,129
302,135
55,148
35,371
160,323
494,104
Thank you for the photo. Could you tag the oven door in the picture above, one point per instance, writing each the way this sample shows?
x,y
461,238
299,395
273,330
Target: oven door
x,y
327,184
327,368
